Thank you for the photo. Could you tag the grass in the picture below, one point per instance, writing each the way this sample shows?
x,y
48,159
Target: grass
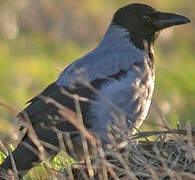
x,y
168,157
169,154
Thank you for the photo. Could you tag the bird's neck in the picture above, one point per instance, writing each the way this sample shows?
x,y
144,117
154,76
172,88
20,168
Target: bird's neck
x,y
148,47
118,39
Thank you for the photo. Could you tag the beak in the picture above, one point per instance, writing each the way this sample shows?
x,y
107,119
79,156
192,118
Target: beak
x,y
165,20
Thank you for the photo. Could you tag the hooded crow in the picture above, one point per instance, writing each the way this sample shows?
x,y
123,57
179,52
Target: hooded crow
x,y
115,81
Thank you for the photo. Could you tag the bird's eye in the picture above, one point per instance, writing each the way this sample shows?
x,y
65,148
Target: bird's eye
x,y
146,18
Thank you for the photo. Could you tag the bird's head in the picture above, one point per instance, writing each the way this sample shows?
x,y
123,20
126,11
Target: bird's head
x,y
144,22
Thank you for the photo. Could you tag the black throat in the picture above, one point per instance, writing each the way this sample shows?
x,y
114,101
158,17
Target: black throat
x,y
144,44
140,40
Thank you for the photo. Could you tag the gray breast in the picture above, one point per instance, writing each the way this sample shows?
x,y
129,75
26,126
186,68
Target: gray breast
x,y
125,101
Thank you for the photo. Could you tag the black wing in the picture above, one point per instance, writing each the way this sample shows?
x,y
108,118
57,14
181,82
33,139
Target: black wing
x,y
38,111
46,113
41,112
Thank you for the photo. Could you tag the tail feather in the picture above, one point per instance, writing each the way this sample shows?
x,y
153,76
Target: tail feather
x,y
23,158
26,155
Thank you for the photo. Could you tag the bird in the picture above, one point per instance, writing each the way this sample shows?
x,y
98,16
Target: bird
x,y
113,84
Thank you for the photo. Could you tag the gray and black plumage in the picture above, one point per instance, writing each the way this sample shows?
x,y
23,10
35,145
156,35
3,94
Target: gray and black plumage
x,y
121,69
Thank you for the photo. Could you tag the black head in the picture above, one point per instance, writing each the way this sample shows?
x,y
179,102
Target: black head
x,y
144,22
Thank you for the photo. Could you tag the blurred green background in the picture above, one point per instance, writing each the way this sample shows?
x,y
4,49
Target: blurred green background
x,y
39,38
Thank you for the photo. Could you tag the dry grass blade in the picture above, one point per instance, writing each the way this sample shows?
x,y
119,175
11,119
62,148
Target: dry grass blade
x,y
154,133
15,172
33,136
11,110
158,110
